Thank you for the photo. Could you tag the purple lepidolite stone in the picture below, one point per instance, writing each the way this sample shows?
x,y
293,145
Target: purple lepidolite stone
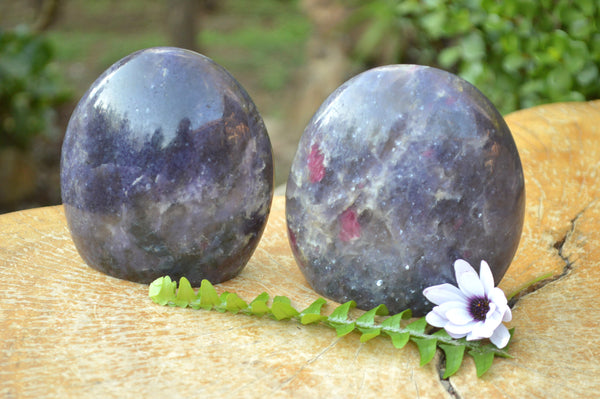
x,y
403,170
166,169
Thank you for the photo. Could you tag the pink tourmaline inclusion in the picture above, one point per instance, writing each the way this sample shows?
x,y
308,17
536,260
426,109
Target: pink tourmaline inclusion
x,y
350,228
315,164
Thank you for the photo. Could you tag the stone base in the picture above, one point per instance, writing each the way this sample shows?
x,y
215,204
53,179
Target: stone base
x,y
67,330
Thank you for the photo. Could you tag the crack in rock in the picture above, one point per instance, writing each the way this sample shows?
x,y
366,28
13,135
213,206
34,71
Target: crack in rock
x,y
446,383
559,246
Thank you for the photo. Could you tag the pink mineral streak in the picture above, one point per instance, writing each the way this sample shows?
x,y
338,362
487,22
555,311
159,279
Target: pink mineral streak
x,y
350,228
315,164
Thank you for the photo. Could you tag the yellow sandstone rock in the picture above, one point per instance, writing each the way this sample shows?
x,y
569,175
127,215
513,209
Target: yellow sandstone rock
x,y
67,330
556,347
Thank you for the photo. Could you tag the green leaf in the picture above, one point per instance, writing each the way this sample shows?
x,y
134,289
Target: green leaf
x,y
559,79
449,56
340,314
232,302
576,56
185,293
433,22
162,290
461,21
427,347
399,340
391,326
473,47
442,335
368,318
208,295
339,319
342,329
259,306
510,42
312,318
417,326
312,314
587,6
282,308
483,360
581,28
366,322
454,357
368,333
393,322
512,62
588,75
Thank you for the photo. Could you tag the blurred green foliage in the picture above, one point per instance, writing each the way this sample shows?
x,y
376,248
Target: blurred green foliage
x,y
519,53
267,39
29,87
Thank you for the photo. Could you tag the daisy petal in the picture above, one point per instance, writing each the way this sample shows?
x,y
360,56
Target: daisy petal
x,y
469,283
486,277
459,316
493,308
473,337
439,294
463,329
435,319
486,328
501,336
462,266
479,332
497,296
446,306
455,336
507,315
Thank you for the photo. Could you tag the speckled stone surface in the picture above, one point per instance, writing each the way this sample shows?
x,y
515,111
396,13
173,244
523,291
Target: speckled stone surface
x,y
401,171
166,170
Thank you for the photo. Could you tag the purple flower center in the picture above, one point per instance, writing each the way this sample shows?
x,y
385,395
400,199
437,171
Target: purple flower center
x,y
479,307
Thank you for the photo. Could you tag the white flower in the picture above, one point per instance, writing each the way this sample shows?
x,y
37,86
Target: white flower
x,y
476,309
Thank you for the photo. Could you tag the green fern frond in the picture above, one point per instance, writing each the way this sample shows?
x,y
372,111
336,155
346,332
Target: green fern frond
x,y
164,292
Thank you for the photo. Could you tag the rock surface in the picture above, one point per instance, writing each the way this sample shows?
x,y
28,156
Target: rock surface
x,y
166,169
403,170
67,330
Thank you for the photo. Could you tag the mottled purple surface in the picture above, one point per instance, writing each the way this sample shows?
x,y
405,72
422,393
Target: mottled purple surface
x,y
166,170
403,170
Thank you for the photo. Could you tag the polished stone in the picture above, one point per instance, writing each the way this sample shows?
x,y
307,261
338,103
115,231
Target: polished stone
x,y
166,169
401,171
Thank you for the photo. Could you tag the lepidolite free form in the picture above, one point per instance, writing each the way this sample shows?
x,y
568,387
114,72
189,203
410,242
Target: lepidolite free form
x,y
403,170
166,169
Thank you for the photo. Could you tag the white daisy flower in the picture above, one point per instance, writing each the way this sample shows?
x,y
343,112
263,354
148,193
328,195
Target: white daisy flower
x,y
476,309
